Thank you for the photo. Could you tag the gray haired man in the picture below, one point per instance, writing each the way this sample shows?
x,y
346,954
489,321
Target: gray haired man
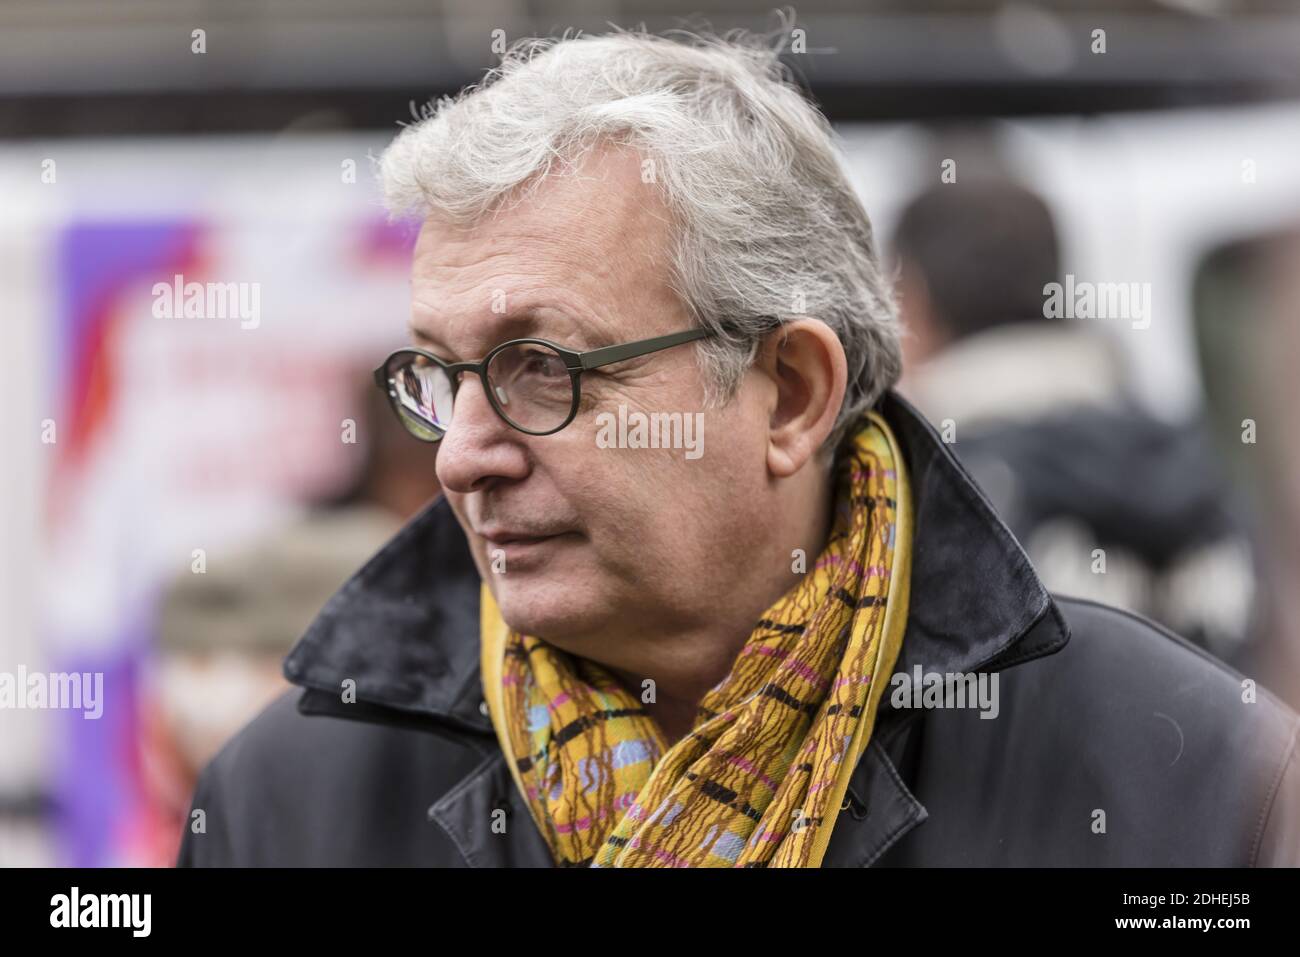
x,y
585,655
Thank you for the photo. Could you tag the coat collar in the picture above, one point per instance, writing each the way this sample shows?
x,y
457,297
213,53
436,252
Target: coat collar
x,y
405,628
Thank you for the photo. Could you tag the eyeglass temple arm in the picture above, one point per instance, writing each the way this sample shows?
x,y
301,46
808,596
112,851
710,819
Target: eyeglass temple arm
x,y
630,350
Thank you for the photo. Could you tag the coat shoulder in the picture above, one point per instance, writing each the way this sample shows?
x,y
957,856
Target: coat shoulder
x,y
1111,647
1128,747
296,789
1179,724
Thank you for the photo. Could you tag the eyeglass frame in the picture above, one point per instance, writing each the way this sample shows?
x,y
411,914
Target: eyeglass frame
x,y
576,363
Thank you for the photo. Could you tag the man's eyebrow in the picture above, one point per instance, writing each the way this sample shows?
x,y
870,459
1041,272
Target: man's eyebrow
x,y
525,323
421,340
419,335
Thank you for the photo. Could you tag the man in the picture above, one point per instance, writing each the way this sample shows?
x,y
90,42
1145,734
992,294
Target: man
x,y
1039,410
625,639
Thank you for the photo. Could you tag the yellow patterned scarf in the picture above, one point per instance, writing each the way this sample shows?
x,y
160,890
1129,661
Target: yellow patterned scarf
x,y
760,779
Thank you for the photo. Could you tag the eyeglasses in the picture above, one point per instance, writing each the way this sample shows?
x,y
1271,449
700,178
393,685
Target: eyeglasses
x,y
534,385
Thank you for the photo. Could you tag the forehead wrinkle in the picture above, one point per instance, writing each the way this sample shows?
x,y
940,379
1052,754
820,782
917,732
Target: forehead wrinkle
x,y
592,250
544,284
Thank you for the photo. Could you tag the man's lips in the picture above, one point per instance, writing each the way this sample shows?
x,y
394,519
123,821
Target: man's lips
x,y
499,537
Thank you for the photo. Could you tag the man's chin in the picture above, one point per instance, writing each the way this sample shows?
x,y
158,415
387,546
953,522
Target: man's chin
x,y
539,606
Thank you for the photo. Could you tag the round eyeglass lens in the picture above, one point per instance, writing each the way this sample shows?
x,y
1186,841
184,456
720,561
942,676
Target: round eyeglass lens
x,y
421,394
531,386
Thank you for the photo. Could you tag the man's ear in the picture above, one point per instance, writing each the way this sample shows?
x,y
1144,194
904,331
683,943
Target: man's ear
x,y
804,362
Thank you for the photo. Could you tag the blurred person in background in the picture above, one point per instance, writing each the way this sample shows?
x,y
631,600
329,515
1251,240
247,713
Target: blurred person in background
x,y
223,635
1278,347
1039,409
1246,303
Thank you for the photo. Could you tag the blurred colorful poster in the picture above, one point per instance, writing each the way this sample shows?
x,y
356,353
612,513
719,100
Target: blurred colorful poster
x,y
205,371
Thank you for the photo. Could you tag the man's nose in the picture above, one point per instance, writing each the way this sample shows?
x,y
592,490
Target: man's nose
x,y
479,445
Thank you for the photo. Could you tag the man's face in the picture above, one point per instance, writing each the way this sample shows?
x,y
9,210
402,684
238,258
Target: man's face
x,y
617,540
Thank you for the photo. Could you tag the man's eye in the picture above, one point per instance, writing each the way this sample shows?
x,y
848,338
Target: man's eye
x,y
547,364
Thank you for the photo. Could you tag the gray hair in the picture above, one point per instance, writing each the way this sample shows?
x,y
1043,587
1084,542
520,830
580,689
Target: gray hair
x,y
767,227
